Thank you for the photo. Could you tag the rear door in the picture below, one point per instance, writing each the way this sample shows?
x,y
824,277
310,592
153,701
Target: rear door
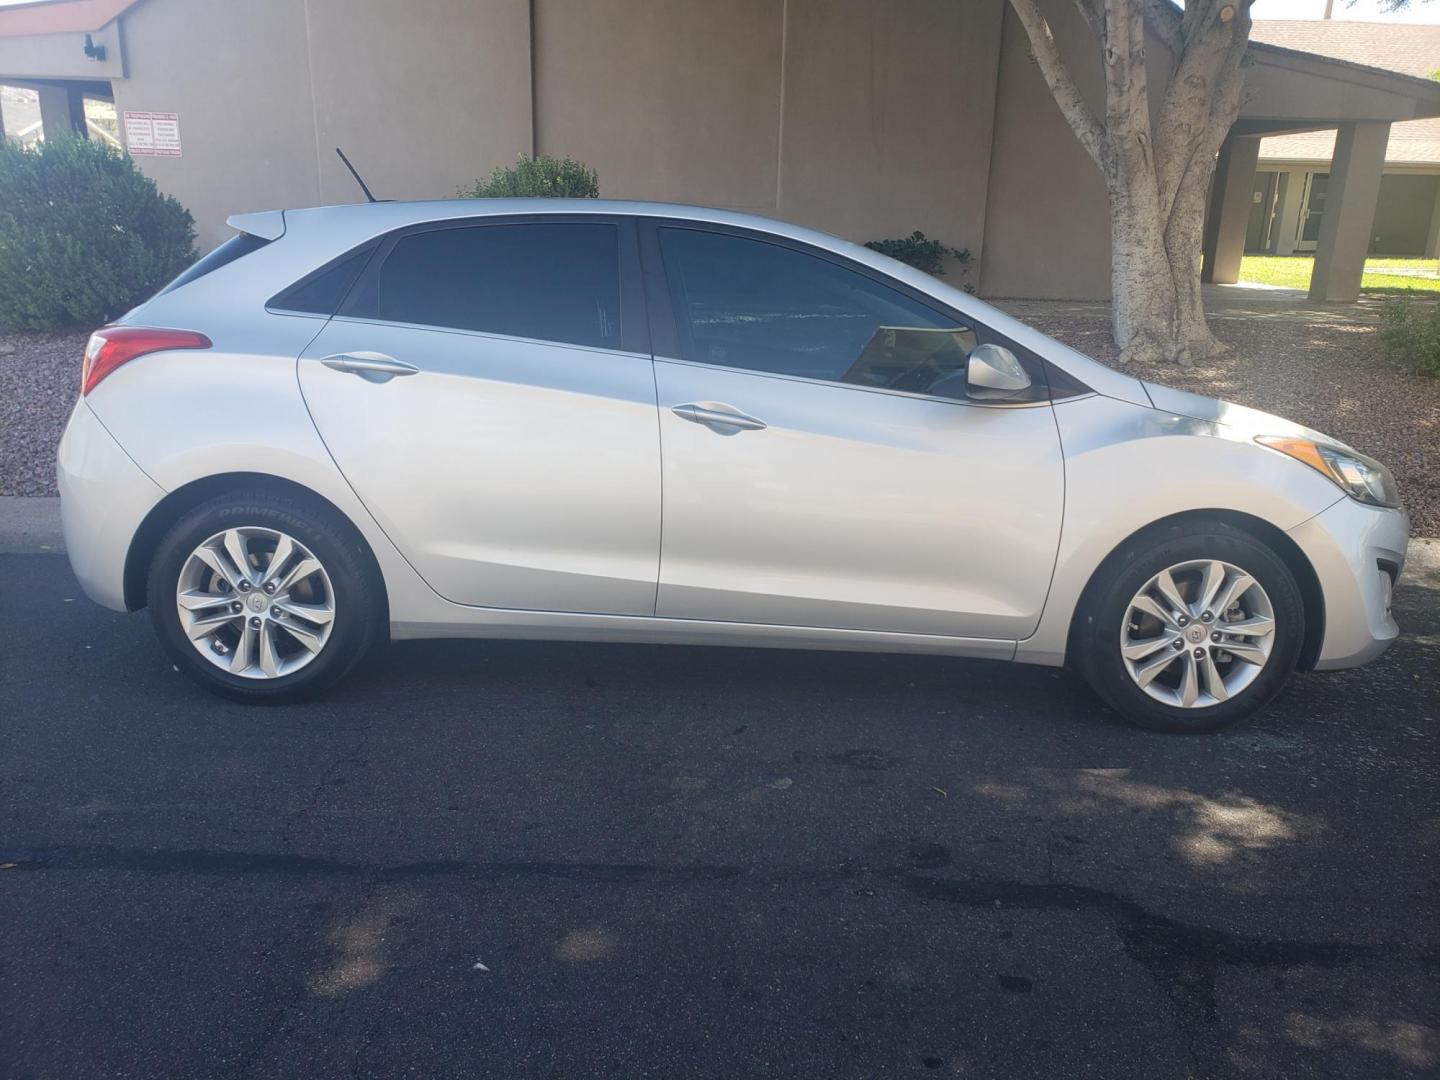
x,y
823,464
487,390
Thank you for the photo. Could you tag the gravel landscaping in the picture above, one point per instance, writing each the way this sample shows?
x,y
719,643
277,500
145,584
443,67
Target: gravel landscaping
x,y
1320,367
39,381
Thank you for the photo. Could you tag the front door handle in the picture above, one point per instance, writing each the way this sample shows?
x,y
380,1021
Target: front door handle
x,y
723,416
371,366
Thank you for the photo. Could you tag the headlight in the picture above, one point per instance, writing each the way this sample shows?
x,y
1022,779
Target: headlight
x,y
1362,478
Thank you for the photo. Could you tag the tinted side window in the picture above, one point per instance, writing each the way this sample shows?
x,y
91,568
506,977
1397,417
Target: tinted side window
x,y
749,304
555,281
320,293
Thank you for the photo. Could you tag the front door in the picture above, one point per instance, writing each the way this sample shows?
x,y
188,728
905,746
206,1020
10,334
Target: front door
x,y
822,464
477,392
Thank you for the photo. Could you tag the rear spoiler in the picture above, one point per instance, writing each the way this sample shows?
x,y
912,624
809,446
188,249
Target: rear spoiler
x,y
265,224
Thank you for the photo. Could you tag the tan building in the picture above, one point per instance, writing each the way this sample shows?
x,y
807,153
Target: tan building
x,y
1292,177
867,118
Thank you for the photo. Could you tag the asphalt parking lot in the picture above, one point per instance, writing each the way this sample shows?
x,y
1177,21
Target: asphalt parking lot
x,y
514,860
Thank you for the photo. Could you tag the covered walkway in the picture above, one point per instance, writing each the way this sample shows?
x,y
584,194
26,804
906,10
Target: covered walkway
x,y
1289,91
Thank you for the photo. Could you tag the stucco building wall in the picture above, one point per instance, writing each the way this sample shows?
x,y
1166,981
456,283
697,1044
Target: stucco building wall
x,y
864,118
265,91
867,118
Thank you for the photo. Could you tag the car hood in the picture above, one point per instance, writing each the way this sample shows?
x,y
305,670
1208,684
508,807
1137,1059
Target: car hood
x,y
1240,420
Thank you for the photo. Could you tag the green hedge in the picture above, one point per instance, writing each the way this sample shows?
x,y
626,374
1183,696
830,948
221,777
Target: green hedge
x,y
84,235
538,177
919,251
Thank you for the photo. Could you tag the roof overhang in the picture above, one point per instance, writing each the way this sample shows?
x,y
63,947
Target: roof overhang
x,y
1290,90
1314,164
1286,84
60,16
43,42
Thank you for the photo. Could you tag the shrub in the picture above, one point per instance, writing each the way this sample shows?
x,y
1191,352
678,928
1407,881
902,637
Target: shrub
x,y
84,235
919,251
1410,334
543,177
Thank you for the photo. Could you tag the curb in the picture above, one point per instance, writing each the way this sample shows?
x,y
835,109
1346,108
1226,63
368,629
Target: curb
x,y
31,526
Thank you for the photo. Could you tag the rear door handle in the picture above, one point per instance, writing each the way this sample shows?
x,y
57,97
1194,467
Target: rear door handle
x,y
726,416
371,366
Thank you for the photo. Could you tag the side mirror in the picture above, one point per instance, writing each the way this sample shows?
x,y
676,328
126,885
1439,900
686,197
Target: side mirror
x,y
993,371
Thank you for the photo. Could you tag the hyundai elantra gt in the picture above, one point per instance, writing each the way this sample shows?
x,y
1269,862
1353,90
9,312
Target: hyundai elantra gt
x,y
651,423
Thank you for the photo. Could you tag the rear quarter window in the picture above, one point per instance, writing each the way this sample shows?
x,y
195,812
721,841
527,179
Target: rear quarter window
x,y
323,291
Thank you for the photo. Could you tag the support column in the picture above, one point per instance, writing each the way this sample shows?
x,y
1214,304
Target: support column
x,y
77,113
1350,200
55,111
1228,216
1432,236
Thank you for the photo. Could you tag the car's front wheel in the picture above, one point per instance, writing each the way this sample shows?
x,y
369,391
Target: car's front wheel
x,y
264,598
1191,628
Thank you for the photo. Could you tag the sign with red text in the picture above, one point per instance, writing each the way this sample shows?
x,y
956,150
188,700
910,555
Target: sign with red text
x,y
152,134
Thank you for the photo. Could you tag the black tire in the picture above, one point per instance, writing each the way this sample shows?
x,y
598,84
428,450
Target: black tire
x,y
1105,606
360,610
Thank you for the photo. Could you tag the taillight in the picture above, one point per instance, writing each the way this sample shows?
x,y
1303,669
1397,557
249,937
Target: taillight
x,y
111,346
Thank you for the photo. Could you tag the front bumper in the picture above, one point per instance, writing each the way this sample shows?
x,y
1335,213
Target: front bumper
x,y
1355,549
103,499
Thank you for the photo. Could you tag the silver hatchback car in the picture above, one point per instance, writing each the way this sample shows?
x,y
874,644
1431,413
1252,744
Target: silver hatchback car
x,y
636,422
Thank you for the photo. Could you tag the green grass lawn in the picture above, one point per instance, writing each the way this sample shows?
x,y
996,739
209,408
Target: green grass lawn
x,y
1293,272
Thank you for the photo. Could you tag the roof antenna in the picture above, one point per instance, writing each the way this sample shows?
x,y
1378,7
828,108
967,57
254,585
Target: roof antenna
x,y
355,174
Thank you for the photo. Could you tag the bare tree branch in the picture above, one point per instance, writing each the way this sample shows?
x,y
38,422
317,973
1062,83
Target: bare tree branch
x,y
1073,106
1206,13
1187,20
1163,18
1094,16
1127,80
1203,87
1157,171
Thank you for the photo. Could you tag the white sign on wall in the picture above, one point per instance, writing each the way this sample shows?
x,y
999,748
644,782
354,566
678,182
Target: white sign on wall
x,y
153,134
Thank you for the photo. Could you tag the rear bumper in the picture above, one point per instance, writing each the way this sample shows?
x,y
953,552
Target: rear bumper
x,y
1354,550
103,499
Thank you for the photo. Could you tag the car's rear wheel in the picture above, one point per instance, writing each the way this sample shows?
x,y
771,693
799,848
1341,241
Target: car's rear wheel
x,y
264,598
1191,628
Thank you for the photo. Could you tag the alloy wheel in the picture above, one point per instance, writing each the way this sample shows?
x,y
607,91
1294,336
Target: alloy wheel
x,y
1197,634
255,602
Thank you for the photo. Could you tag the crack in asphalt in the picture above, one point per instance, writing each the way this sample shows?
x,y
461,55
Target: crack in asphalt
x,y
1181,959
1148,935
279,1022
355,756
218,863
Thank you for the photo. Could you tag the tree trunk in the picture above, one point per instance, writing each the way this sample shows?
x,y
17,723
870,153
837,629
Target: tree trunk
x,y
1142,286
1158,181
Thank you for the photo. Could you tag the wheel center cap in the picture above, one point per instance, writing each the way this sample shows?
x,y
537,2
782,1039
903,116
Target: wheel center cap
x,y
1195,634
257,601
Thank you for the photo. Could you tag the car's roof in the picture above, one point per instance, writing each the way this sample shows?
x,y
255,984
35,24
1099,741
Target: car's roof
x,y
384,216
471,207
